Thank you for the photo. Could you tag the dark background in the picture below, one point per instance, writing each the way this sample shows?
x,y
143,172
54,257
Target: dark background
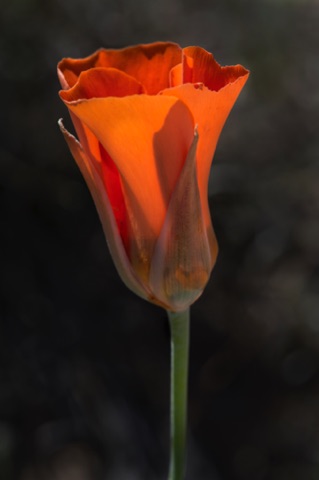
x,y
84,364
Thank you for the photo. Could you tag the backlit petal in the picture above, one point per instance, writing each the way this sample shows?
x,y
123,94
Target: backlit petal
x,y
107,171
176,75
105,212
102,82
183,257
199,66
97,83
148,138
148,64
210,110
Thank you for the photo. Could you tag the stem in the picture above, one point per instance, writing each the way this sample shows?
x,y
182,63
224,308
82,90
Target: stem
x,y
179,325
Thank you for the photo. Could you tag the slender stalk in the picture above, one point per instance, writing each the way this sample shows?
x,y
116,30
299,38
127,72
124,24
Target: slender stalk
x,y
179,326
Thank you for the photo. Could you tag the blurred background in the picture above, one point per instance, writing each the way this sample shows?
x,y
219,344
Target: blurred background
x,y
84,364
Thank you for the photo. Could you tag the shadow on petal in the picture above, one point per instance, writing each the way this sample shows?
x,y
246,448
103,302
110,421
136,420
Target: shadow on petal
x,y
183,256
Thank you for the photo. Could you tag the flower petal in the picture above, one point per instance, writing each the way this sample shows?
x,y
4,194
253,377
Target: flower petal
x,y
199,66
210,110
176,75
108,173
96,83
148,64
183,256
105,212
102,82
148,138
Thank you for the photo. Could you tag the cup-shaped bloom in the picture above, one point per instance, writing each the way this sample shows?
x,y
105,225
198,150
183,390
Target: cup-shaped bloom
x,y
148,119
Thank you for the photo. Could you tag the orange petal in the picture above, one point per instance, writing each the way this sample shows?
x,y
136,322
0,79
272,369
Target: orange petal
x,y
105,212
210,111
182,73
176,75
102,82
69,69
148,64
148,138
89,142
112,182
199,66
183,257
107,171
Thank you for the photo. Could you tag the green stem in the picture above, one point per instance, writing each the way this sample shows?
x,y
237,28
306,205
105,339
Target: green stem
x,y
179,325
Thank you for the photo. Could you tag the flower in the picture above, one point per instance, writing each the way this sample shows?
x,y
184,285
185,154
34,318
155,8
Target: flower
x,y
148,118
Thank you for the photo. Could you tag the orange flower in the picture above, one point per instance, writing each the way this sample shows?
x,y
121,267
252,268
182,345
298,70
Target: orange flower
x,y
148,119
